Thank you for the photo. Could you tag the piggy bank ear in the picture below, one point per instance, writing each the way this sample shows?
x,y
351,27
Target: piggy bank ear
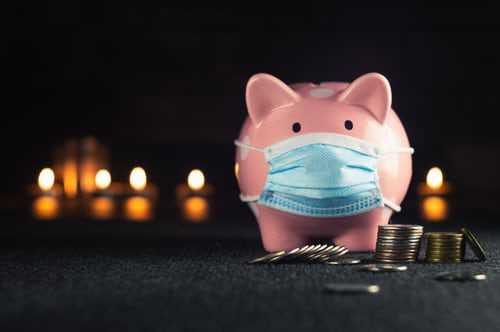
x,y
266,93
371,91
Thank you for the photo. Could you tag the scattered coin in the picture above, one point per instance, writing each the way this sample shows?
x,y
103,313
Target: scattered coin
x,y
345,261
384,268
474,244
461,276
309,253
352,288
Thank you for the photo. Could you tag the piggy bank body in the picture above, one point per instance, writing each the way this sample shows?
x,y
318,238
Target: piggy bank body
x,y
360,110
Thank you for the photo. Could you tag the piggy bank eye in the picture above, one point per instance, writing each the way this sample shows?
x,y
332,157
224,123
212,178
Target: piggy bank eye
x,y
296,127
348,124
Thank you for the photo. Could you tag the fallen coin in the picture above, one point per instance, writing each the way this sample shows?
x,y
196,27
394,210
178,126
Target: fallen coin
x,y
345,261
384,268
460,276
352,288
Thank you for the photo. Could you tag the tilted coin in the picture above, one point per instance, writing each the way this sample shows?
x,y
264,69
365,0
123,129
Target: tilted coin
x,y
344,261
352,288
384,268
474,244
267,257
460,276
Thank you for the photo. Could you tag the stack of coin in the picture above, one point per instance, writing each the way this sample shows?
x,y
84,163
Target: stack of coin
x,y
310,253
398,243
444,247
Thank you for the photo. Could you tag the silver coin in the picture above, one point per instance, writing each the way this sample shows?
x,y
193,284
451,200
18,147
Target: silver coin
x,y
345,261
384,268
352,288
460,276
325,253
267,258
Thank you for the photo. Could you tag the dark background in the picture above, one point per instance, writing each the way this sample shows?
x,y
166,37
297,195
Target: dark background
x,y
163,84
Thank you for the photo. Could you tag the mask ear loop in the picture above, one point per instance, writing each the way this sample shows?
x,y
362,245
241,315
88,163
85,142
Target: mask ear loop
x,y
391,205
247,146
397,150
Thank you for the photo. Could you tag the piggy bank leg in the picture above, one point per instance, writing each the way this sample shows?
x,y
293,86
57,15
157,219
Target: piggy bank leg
x,y
277,231
359,233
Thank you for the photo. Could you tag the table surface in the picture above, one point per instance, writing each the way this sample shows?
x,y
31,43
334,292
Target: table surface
x,y
148,278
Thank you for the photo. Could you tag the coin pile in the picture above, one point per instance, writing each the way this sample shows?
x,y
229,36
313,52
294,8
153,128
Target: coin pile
x,y
398,243
444,247
310,253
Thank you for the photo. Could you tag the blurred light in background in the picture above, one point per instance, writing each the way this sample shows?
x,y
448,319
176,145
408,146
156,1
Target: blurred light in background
x,y
138,179
102,179
434,208
196,179
46,207
103,208
138,209
196,209
46,179
434,178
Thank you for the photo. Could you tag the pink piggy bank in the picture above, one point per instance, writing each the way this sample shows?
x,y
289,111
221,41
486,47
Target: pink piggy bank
x,y
329,161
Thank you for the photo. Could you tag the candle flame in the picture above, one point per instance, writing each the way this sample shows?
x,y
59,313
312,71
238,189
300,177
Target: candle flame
x,y
102,179
434,178
138,179
196,179
46,179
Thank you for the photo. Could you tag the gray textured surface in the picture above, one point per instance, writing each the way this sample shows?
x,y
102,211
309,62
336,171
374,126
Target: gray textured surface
x,y
195,283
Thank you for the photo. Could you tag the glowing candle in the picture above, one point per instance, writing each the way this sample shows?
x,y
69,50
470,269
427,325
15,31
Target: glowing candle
x,y
434,178
138,179
46,179
196,180
102,179
434,183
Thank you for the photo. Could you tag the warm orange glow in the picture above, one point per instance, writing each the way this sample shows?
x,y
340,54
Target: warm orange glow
x,y
196,209
138,209
434,208
102,208
45,207
46,179
102,179
196,179
434,178
236,170
70,178
138,178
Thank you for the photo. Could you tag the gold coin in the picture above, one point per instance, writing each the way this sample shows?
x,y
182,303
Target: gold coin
x,y
474,244
443,234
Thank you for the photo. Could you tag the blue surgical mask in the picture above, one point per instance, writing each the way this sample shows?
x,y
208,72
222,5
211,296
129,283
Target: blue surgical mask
x,y
322,175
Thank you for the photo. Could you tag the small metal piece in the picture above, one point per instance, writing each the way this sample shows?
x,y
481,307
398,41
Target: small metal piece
x,y
460,276
352,288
